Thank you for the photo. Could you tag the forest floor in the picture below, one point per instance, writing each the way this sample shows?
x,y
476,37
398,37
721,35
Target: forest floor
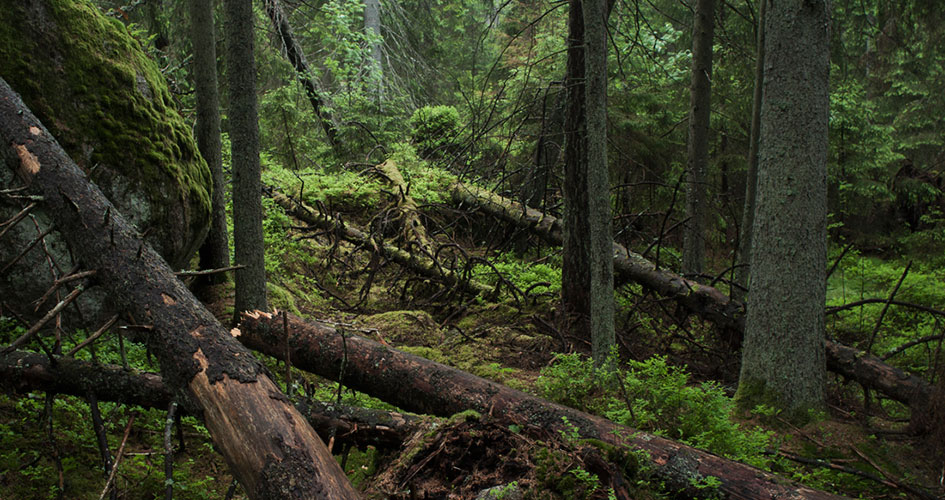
x,y
855,450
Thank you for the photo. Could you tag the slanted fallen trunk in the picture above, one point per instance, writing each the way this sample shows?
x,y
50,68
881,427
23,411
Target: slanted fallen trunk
x,y
271,450
22,371
414,234
417,263
424,386
702,300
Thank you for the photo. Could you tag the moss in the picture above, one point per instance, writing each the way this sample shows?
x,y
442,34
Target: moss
x,y
413,327
754,392
106,102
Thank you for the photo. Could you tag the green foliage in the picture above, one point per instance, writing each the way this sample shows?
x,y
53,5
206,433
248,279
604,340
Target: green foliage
x,y
651,395
434,129
427,183
522,273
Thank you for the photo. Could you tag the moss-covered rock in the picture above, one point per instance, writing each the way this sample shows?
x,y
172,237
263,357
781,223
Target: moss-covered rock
x,y
109,107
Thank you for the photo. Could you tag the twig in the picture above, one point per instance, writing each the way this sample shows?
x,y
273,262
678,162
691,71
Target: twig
x,y
98,425
205,272
121,449
59,282
903,347
26,250
15,219
882,314
859,303
839,258
892,479
98,333
54,446
45,319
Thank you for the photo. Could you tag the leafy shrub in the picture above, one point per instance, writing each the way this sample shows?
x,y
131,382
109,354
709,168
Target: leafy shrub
x,y
653,396
434,129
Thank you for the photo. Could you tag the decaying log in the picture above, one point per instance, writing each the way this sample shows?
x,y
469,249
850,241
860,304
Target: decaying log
x,y
416,262
702,300
706,301
270,448
22,371
414,233
424,386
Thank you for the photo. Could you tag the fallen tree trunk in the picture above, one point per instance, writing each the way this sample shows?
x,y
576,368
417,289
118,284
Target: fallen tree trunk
x,y
270,448
419,264
22,371
408,214
702,300
424,386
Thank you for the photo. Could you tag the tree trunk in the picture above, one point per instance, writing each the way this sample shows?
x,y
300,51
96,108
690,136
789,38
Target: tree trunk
x,y
244,138
702,300
372,27
22,372
414,233
742,269
215,251
295,55
223,381
586,274
600,221
700,92
427,387
783,362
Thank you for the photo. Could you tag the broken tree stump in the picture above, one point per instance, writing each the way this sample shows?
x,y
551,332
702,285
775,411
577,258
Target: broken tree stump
x,y
270,448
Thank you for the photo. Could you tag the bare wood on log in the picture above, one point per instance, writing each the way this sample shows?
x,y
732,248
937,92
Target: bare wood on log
x,y
427,387
413,231
708,302
269,446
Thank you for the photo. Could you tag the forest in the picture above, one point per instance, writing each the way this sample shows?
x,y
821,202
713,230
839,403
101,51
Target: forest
x,y
484,249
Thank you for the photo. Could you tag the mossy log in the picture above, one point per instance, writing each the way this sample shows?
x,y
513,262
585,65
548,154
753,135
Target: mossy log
x,y
702,300
269,446
414,234
417,263
424,386
22,372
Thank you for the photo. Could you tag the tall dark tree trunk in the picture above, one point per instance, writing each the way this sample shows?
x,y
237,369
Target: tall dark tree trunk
x,y
582,284
244,137
783,360
742,269
215,252
700,92
599,219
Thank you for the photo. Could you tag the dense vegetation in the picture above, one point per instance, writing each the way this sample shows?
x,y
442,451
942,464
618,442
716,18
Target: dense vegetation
x,y
471,91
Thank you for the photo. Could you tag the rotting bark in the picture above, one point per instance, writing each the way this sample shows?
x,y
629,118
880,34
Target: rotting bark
x,y
224,383
413,232
702,300
293,51
22,371
424,386
417,263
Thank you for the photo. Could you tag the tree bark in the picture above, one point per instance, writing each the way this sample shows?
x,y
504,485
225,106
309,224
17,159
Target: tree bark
x,y
215,251
783,359
702,300
424,386
372,27
248,240
293,51
700,92
742,269
22,372
412,229
223,381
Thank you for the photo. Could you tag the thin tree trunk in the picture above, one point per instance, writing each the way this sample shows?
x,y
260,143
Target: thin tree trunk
x,y
215,252
199,359
742,269
372,26
293,51
700,92
242,117
427,387
599,219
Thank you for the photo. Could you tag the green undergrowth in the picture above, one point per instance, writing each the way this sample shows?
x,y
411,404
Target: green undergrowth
x,y
656,397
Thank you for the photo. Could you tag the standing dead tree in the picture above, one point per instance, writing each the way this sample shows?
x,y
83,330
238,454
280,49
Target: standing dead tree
x,y
270,448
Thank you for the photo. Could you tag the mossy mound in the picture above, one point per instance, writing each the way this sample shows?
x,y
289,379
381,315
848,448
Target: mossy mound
x,y
108,105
